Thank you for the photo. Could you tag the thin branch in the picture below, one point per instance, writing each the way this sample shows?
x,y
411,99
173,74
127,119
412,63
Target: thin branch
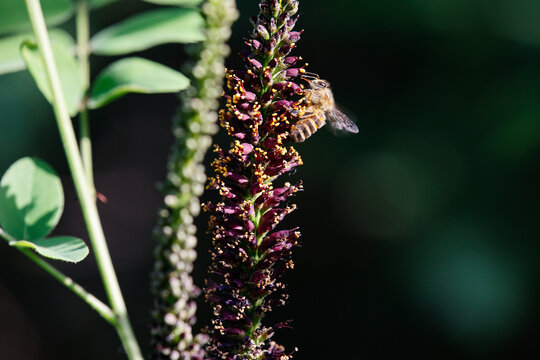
x,y
84,190
82,21
90,299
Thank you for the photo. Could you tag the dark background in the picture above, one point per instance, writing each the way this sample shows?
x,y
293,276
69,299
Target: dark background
x,y
420,234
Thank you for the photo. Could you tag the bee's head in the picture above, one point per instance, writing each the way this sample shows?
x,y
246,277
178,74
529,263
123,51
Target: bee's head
x,y
314,82
319,84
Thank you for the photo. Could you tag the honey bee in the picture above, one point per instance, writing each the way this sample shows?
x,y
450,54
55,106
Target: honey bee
x,y
321,109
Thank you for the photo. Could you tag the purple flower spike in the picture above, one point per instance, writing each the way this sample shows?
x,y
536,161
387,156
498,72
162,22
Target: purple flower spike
x,y
250,253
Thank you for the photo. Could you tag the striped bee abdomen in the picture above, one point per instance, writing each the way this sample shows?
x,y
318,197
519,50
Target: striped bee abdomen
x,y
307,126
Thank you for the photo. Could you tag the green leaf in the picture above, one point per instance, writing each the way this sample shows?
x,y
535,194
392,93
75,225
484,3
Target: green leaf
x,y
176,2
13,15
99,3
134,75
66,248
31,199
10,48
68,70
143,31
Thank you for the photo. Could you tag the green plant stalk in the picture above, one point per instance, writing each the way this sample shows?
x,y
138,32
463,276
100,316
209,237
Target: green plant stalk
x,y
85,145
85,192
82,21
90,299
172,285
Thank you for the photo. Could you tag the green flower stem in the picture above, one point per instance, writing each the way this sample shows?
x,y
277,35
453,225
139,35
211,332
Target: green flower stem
x,y
82,21
84,190
90,299
172,284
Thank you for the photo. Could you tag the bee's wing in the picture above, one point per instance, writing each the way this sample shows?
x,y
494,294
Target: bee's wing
x,y
341,122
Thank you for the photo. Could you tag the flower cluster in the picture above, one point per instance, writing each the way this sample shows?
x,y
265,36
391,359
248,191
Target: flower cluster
x,y
249,255
172,285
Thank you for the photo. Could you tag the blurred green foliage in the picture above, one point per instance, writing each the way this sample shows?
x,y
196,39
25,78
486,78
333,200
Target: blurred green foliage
x,y
421,232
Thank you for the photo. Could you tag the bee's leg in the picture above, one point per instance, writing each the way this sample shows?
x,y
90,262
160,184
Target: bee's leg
x,y
305,100
296,113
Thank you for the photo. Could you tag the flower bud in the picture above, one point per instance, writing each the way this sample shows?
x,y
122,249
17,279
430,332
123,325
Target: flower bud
x,y
262,32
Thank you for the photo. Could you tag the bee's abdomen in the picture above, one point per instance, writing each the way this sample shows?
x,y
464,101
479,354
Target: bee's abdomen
x,y
306,127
